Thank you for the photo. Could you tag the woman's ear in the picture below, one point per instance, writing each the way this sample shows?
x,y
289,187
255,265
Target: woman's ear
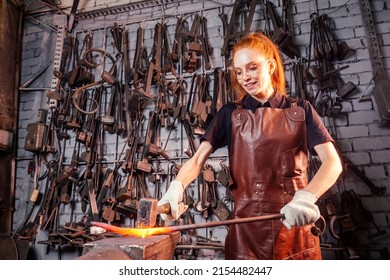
x,y
272,66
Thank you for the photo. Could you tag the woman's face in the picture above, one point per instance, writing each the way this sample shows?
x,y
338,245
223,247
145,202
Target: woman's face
x,y
253,73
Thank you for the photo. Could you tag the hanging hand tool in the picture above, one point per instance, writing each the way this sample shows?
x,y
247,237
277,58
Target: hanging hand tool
x,y
72,16
126,73
242,9
282,36
374,189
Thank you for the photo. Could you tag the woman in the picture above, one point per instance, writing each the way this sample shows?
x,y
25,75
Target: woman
x,y
268,137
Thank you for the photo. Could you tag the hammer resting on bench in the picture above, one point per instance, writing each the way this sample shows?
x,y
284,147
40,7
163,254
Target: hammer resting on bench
x,y
148,210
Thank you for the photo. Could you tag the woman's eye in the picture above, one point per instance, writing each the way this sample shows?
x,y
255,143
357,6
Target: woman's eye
x,y
252,68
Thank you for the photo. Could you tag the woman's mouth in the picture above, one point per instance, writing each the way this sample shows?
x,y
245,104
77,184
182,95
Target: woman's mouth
x,y
250,86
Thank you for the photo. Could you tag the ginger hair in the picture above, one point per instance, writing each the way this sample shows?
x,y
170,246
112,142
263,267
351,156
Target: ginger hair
x,y
269,50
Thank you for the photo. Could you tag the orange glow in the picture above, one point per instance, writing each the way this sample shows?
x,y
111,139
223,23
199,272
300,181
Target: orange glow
x,y
140,232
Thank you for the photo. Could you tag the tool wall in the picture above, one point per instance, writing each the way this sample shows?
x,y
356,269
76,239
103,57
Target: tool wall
x,y
118,100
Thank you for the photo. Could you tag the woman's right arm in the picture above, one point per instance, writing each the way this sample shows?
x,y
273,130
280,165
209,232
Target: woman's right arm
x,y
191,168
187,173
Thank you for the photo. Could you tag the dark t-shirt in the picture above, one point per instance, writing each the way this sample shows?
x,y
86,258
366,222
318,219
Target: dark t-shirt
x,y
219,131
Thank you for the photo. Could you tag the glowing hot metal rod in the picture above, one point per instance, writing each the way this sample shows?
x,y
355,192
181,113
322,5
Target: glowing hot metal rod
x,y
145,232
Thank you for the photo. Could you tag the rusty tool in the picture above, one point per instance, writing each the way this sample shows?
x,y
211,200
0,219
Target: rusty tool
x,y
148,210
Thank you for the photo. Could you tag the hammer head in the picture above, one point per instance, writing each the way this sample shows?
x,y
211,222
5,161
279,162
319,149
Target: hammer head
x,y
147,212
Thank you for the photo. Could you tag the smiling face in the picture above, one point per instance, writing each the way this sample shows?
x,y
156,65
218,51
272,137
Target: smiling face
x,y
253,72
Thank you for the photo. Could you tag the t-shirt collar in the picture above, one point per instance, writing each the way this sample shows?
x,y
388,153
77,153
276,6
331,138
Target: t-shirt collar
x,y
251,103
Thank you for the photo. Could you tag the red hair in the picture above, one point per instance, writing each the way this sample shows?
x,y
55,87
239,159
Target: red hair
x,y
269,50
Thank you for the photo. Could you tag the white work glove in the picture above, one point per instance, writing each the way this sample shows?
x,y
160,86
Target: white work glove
x,y
301,210
174,197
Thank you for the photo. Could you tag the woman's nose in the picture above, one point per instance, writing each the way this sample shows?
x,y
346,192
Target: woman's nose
x,y
245,75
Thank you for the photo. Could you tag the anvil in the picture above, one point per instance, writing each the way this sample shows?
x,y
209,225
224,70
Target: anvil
x,y
155,247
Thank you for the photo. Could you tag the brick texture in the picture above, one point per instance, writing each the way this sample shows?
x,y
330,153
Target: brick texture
x,y
359,134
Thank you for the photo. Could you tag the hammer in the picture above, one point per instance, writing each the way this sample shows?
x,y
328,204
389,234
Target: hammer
x,y
148,210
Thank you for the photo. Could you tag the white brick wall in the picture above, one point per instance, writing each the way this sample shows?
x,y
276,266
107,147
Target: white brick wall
x,y
362,140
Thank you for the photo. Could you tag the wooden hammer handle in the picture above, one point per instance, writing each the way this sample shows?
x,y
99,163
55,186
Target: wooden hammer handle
x,y
164,209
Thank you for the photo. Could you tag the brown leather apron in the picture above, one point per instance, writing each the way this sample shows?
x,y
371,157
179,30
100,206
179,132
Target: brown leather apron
x,y
268,163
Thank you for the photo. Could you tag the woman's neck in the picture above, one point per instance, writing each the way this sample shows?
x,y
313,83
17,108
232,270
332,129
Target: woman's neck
x,y
264,96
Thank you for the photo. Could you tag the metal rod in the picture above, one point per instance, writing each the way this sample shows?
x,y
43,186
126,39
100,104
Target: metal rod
x,y
188,247
33,89
145,232
228,222
33,78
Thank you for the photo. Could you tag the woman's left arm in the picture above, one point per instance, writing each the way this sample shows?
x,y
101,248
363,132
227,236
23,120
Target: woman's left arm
x,y
328,172
302,210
